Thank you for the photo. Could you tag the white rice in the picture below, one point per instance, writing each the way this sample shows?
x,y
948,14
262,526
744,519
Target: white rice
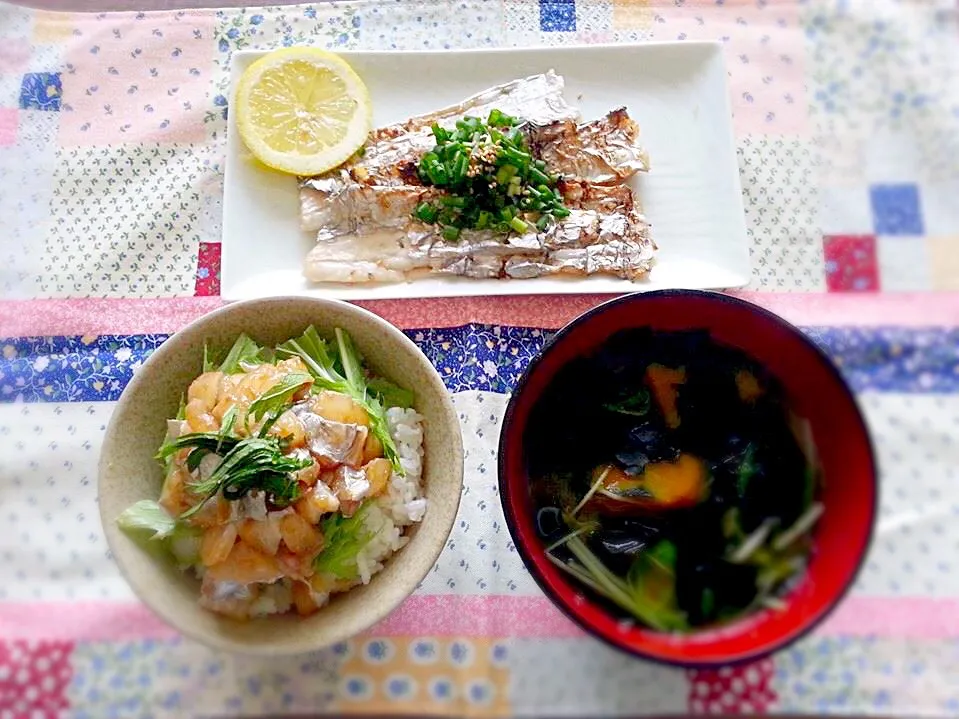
x,y
275,598
403,502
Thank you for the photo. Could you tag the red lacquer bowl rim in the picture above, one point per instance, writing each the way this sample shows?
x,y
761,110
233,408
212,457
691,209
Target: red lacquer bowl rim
x,y
561,591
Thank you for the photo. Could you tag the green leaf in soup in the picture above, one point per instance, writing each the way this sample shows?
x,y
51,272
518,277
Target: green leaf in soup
x,y
636,405
635,593
707,602
748,468
730,525
652,583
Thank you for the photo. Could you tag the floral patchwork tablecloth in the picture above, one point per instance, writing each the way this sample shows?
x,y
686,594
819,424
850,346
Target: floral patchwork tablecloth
x,y
111,164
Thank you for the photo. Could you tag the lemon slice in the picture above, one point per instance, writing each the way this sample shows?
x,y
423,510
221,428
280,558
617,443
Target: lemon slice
x,y
302,110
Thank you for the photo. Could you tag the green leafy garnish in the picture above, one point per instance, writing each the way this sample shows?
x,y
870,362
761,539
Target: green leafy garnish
x,y
636,404
148,523
390,394
279,395
343,372
350,361
208,364
210,441
490,177
165,450
314,351
225,438
345,538
146,515
244,350
227,422
254,463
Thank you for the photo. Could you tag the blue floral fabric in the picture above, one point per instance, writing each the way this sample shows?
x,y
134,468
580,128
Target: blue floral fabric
x,y
471,357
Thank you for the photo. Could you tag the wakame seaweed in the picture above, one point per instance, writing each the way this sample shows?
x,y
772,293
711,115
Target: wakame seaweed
x,y
666,473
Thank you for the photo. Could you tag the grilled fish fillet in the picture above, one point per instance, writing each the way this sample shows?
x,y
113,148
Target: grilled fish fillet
x,y
392,152
595,239
605,152
362,212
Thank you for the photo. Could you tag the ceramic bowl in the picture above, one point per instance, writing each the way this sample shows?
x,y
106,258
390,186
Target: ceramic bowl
x,y
816,391
128,472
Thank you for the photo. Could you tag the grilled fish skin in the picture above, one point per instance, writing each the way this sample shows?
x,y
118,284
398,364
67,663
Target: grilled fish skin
x,y
605,151
363,212
392,152
587,242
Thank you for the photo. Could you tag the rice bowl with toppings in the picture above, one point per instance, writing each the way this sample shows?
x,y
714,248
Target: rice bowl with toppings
x,y
291,474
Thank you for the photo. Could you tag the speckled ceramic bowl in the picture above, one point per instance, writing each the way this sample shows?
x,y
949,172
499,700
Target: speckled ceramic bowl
x,y
129,473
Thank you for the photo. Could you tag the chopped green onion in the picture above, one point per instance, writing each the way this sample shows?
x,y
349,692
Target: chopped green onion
x,y
505,174
517,157
425,212
518,225
461,163
499,119
437,173
539,178
488,176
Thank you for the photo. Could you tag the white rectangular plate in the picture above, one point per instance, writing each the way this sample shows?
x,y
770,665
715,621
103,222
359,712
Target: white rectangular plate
x,y
677,92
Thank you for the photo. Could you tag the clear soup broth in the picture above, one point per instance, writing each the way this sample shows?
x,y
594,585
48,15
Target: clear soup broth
x,y
672,480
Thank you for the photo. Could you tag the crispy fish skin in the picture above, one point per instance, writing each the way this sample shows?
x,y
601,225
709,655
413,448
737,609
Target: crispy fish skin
x,y
537,99
392,152
589,241
604,152
335,206
335,209
363,211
